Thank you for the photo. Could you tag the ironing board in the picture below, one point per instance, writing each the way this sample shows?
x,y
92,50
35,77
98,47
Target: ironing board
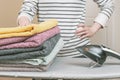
x,y
73,68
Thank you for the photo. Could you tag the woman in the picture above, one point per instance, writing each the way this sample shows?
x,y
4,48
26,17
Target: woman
x,y
71,17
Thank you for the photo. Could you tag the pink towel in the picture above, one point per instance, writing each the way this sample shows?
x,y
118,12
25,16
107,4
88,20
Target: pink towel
x,y
35,40
7,41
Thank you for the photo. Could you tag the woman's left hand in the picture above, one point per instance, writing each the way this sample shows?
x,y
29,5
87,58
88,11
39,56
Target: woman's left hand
x,y
84,31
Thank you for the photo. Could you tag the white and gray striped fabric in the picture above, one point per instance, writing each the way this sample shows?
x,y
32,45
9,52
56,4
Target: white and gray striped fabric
x,y
69,13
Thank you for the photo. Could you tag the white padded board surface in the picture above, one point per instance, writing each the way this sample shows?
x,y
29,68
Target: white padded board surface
x,y
74,68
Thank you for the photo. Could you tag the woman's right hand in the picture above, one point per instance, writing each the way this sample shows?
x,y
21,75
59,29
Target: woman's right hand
x,y
23,21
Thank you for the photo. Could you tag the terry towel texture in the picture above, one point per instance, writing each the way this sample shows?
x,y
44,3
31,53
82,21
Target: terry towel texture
x,y
33,41
37,64
29,48
30,53
27,30
7,41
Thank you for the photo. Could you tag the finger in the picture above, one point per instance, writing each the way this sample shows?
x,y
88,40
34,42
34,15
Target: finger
x,y
81,34
84,36
80,25
80,29
24,23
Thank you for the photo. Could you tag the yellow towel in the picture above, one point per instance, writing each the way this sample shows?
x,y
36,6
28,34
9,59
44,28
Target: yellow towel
x,y
27,30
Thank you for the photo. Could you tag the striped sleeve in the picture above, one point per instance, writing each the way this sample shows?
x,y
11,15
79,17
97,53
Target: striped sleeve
x,y
28,9
107,8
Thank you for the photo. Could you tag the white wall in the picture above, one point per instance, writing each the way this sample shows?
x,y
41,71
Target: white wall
x,y
8,12
116,26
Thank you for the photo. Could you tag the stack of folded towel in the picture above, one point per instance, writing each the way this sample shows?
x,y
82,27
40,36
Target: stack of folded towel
x,y
29,48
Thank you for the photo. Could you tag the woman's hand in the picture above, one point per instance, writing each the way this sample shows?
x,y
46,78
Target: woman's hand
x,y
84,31
23,21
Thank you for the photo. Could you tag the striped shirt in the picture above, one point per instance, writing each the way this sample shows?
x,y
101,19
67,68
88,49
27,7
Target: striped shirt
x,y
69,13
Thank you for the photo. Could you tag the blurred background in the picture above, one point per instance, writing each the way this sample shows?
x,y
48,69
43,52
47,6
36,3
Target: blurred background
x,y
109,36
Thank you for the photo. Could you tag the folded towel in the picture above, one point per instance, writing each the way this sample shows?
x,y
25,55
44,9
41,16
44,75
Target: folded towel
x,y
38,64
39,60
8,41
30,53
33,41
27,30
23,67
